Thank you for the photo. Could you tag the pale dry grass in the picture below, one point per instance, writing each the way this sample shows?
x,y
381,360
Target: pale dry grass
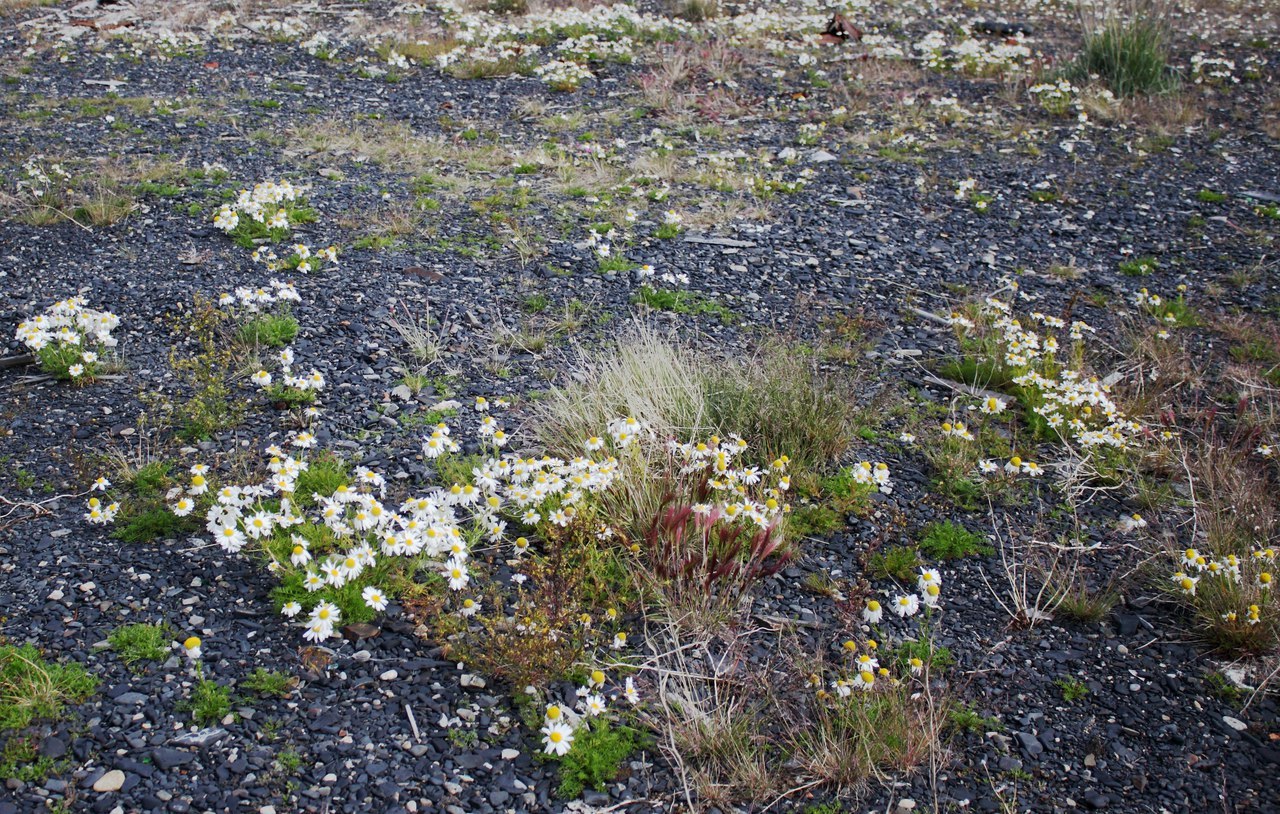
x,y
647,375
9,7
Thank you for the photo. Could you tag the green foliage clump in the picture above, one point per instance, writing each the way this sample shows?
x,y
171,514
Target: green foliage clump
x,y
596,756
1072,689
1139,266
324,475
1131,57
813,520
899,562
936,657
689,303
268,330
965,718
154,523
209,406
141,642
284,397
952,541
210,702
32,689
269,682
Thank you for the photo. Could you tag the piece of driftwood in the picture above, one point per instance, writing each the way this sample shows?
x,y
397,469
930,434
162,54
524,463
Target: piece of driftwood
x,y
21,360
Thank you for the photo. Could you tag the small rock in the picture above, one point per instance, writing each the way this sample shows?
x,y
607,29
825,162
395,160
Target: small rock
x,y
510,754
1235,723
109,782
389,675
204,737
1029,743
166,758
474,682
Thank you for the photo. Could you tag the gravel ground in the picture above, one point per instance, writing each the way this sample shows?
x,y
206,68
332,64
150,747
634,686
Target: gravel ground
x,y
876,234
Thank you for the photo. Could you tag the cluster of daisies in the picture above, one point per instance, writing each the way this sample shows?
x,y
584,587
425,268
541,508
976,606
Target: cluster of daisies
x,y
267,204
761,175
1077,406
309,383
39,178
560,722
299,258
69,338
1253,571
867,672
959,432
254,300
352,534
583,36
1055,97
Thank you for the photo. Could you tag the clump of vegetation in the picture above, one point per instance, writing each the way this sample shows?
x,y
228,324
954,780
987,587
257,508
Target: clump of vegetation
x,y
141,641
145,514
269,683
268,330
1229,586
596,756
32,689
1129,51
1084,604
1139,266
209,405
951,541
965,718
898,562
210,702
70,340
1072,689
779,400
680,301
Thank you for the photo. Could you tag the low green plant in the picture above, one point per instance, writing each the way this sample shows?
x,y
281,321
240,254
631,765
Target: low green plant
x,y
899,562
536,303
813,520
325,473
21,760
1223,688
1139,266
679,301
269,682
951,541
596,756
33,689
141,641
284,397
846,741
937,657
1083,604
964,718
268,330
1072,689
155,522
210,702
209,406
1210,196
289,760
